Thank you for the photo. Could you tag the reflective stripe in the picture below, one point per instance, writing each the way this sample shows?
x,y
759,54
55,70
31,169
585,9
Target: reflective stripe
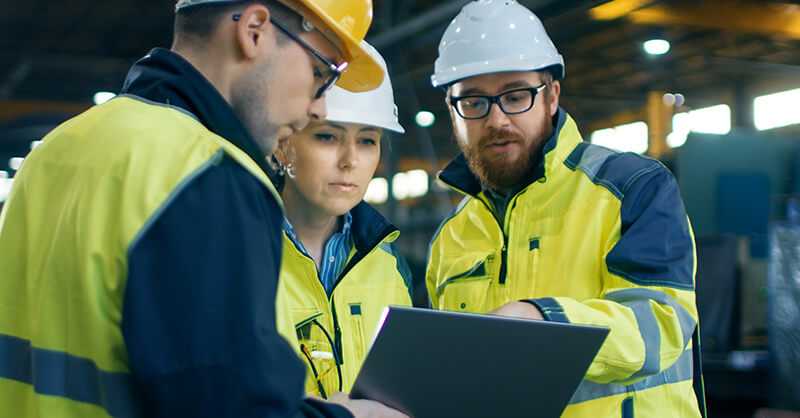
x,y
592,161
679,372
629,296
56,373
648,328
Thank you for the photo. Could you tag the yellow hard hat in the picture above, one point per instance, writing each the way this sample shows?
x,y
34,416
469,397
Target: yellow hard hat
x,y
349,21
345,20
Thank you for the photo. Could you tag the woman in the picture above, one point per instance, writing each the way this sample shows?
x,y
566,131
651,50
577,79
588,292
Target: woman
x,y
340,268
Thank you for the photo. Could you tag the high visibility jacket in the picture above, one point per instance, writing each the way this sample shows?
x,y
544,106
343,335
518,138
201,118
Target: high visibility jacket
x,y
333,333
139,257
595,237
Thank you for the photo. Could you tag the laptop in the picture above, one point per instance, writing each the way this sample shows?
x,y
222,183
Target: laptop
x,y
436,364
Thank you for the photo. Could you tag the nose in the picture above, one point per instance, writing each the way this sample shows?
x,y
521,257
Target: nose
x,y
318,109
348,158
496,118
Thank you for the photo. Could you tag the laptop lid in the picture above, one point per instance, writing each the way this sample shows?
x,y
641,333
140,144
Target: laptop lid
x,y
436,364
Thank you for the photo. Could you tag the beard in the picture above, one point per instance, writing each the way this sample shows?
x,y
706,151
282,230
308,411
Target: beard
x,y
249,98
499,171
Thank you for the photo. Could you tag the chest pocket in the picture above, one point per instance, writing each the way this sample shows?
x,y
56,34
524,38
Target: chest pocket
x,y
467,291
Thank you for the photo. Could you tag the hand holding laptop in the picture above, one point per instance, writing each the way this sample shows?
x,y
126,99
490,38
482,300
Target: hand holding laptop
x,y
518,310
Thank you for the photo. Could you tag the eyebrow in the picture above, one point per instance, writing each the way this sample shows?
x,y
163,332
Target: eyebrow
x,y
339,127
508,86
335,125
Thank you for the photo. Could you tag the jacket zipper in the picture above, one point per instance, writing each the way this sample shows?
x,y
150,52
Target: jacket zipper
x,y
337,331
504,254
337,338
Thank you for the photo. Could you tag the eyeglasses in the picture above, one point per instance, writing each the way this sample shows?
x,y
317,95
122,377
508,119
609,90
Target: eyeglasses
x,y
512,102
324,79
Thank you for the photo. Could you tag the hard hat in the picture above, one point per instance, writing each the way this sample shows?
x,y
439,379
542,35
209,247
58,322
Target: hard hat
x,y
348,21
374,108
493,36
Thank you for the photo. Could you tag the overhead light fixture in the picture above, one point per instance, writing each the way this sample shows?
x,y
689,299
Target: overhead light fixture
x,y
103,96
425,119
656,46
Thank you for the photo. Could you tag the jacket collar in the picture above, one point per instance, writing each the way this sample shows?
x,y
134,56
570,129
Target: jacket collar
x,y
369,227
163,76
458,175
366,226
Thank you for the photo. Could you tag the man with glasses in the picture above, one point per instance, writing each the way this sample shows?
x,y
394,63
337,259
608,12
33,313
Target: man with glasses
x,y
553,228
141,244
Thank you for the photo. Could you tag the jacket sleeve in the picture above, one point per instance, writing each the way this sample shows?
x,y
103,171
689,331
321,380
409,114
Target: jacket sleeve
x,y
648,299
199,308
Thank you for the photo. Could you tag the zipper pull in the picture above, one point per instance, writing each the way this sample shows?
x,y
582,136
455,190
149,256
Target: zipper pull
x,y
338,341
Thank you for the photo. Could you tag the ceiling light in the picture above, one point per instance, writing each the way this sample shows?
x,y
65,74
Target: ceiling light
x,y
425,119
15,163
656,47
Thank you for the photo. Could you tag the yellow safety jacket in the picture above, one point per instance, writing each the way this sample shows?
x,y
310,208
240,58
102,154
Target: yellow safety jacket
x,y
596,237
139,258
332,334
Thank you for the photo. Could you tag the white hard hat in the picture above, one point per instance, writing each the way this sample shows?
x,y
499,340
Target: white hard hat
x,y
493,36
374,108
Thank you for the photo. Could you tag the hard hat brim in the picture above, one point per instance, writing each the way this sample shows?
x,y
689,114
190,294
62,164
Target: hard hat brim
x,y
358,119
363,73
464,71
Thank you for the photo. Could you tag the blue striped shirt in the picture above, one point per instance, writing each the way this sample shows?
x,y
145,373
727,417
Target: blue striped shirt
x,y
334,254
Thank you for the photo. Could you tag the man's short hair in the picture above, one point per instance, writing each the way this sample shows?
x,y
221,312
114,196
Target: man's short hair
x,y
199,22
546,76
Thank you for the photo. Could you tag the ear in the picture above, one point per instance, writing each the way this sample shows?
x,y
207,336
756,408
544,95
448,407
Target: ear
x,y
284,152
453,115
555,92
254,31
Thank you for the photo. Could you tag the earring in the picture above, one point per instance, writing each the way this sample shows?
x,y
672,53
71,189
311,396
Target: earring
x,y
289,170
278,167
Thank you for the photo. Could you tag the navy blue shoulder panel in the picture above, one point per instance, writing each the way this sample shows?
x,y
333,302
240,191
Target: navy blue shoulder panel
x,y
656,247
616,171
199,308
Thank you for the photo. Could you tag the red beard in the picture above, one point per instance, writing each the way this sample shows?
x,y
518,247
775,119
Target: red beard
x,y
501,171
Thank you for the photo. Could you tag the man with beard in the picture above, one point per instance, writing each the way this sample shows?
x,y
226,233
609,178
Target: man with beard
x,y
553,228
141,244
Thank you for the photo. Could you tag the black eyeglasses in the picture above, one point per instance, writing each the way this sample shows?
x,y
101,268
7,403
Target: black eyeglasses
x,y
332,71
512,102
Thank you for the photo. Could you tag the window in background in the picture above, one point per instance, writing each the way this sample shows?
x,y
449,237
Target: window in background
x,y
377,191
410,184
707,120
777,110
631,137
